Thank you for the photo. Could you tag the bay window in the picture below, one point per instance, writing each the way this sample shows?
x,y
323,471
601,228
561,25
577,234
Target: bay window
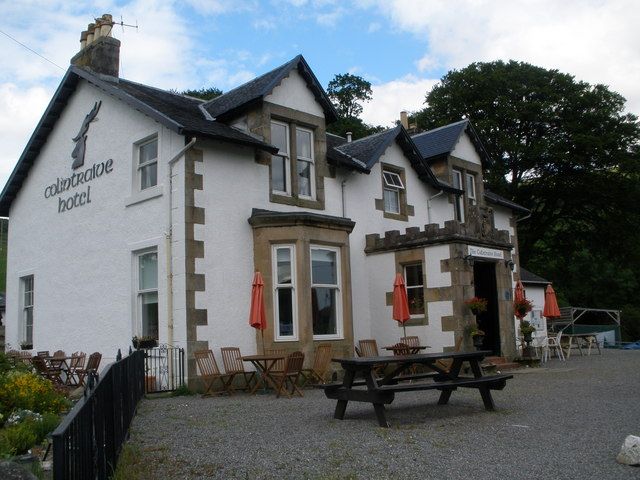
x,y
295,153
304,163
326,303
284,292
280,164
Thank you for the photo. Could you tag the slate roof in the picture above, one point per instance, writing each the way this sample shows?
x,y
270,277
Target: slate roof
x,y
238,99
441,141
499,200
177,112
364,153
527,277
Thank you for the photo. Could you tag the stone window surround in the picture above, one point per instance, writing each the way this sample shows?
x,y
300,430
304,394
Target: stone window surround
x,y
403,258
466,168
406,210
293,119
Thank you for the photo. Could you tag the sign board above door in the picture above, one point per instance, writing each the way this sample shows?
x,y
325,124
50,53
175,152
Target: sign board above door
x,y
482,252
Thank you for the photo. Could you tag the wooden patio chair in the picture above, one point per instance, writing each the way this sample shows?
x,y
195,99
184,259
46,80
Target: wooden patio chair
x,y
412,341
59,354
234,366
446,364
321,361
278,366
209,372
91,369
369,348
401,348
290,375
46,371
77,363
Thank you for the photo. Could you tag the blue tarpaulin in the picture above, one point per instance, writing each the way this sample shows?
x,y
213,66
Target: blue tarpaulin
x,y
632,346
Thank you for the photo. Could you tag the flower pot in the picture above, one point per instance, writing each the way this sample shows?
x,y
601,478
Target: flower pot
x,y
528,336
26,346
478,341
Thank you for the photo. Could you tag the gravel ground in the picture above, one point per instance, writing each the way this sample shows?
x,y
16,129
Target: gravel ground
x,y
563,421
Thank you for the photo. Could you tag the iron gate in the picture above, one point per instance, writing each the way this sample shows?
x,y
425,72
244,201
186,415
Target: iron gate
x,y
164,368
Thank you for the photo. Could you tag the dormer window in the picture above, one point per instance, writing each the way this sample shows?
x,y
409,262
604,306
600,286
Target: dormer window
x,y
391,191
459,201
471,188
280,164
295,153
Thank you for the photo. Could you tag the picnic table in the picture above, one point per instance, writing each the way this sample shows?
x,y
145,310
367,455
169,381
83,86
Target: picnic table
x,y
439,376
581,339
264,365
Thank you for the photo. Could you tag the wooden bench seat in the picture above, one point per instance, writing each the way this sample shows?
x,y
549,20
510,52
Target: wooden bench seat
x,y
496,382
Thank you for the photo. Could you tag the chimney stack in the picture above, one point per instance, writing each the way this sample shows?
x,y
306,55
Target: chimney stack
x,y
99,51
349,137
404,120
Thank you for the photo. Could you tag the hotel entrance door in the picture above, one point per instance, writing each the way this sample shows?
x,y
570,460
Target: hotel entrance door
x,y
484,279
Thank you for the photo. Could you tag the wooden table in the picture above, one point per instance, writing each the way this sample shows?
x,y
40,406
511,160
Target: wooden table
x,y
61,364
264,365
580,338
381,391
413,349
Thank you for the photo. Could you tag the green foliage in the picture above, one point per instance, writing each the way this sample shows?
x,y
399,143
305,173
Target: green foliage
x,y
205,93
19,437
566,150
357,127
630,323
183,390
25,390
347,91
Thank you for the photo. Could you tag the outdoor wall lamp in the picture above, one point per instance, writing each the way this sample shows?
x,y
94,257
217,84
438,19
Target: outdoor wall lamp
x,y
468,259
510,264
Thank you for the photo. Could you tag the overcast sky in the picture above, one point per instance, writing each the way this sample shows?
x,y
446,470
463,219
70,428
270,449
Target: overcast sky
x,y
401,46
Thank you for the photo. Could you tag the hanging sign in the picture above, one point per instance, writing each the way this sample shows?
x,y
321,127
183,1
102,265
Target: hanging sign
x,y
483,252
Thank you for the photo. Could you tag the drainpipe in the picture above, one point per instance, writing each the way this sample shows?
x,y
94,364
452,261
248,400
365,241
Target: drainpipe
x,y
523,218
429,205
169,239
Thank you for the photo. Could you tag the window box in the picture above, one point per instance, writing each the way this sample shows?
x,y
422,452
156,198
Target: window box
x,y
143,342
26,346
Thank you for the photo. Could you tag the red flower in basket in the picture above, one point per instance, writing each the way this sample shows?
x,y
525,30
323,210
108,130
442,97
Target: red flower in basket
x,y
476,305
522,307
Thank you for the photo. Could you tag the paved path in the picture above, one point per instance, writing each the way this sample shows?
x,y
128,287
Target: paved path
x,y
565,421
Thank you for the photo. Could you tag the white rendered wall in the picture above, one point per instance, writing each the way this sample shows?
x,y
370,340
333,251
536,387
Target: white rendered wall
x,y
464,149
436,278
294,93
82,259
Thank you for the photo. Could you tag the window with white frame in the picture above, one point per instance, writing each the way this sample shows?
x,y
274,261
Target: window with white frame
x,y
415,289
305,164
459,202
284,292
148,163
471,188
280,162
391,191
147,292
326,300
26,286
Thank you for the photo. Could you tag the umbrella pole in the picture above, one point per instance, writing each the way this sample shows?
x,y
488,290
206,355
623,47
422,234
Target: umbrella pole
x,y
405,330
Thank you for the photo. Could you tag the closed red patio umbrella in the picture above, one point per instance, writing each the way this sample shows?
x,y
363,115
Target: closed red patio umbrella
x,y
257,316
400,302
551,309
519,294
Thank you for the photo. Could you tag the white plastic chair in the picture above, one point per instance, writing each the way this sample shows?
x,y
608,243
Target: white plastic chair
x,y
553,345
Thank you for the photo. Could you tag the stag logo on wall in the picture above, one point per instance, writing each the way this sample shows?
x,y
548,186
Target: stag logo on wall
x,y
81,138
81,177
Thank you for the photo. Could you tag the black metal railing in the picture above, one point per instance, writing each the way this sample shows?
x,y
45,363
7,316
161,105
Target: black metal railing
x,y
87,443
164,368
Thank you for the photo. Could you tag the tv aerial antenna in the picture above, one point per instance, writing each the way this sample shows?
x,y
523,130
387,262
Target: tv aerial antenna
x,y
122,24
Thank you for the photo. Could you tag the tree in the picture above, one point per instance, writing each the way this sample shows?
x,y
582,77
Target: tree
x,y
204,93
566,150
346,91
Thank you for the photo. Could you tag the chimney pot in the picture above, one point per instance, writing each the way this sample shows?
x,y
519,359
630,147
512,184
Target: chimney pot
x,y
404,120
349,137
107,25
90,35
83,39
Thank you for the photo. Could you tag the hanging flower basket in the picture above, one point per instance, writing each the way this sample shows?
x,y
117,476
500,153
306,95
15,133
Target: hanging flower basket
x,y
522,307
476,305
